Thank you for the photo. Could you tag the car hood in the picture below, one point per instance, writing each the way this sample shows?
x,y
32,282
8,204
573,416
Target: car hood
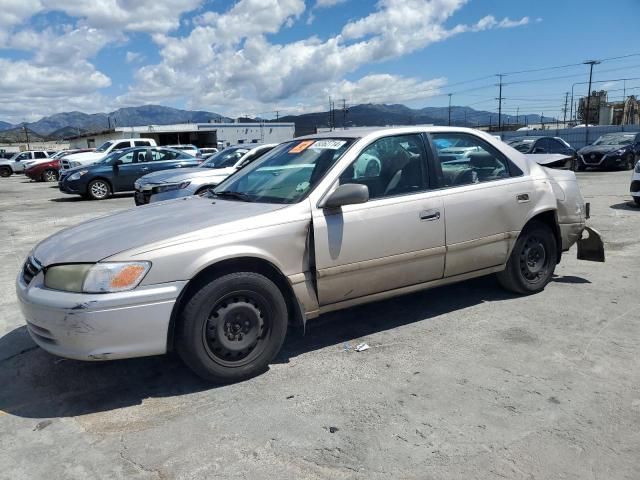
x,y
106,236
85,157
600,149
547,158
183,174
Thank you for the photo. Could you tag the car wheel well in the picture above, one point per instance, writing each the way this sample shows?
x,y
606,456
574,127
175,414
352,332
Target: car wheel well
x,y
550,219
224,267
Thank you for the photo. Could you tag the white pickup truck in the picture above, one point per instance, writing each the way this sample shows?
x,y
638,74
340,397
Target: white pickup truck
x,y
20,161
87,158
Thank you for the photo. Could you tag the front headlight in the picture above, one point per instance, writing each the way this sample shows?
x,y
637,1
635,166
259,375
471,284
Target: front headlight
x,y
96,278
77,175
74,164
169,188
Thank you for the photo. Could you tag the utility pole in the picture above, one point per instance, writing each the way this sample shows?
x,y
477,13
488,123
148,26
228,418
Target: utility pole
x,y
450,108
517,115
330,114
591,63
344,114
26,133
277,115
542,120
500,75
566,99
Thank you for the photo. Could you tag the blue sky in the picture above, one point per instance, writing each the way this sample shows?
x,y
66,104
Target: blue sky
x,y
259,56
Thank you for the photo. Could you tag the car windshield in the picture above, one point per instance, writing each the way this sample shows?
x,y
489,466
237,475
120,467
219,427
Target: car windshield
x,y
111,156
226,158
104,147
521,144
614,140
287,173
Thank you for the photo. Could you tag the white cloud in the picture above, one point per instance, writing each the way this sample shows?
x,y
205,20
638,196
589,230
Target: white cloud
x,y
134,57
27,89
227,60
328,3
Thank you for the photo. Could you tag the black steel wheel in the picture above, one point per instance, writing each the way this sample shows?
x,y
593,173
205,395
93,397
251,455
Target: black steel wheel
x,y
533,260
49,175
5,171
98,189
232,327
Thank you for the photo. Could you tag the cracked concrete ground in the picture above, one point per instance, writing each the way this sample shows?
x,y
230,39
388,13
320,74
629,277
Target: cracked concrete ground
x,y
464,381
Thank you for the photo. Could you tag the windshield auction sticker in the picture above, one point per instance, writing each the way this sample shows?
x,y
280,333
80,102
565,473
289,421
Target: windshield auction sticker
x,y
328,144
302,146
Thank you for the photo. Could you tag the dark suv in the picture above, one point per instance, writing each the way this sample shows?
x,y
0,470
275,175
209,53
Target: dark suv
x,y
118,171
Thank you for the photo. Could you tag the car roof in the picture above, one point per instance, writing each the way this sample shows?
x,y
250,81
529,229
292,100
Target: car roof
x,y
361,132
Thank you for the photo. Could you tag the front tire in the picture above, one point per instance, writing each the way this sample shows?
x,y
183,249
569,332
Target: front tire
x,y
232,327
98,189
532,261
629,161
5,172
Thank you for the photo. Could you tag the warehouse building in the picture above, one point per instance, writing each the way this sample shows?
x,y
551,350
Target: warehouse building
x,y
199,134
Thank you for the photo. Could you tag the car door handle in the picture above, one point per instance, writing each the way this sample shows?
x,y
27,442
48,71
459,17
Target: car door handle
x,y
430,215
522,197
144,169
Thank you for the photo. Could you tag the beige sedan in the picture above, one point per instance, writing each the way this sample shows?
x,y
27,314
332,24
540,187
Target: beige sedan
x,y
318,224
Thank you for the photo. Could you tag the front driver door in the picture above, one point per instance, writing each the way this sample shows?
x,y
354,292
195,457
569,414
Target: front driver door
x,y
395,239
129,170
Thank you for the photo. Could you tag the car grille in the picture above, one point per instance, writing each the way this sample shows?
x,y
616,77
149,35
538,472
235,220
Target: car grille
x,y
30,269
64,164
593,157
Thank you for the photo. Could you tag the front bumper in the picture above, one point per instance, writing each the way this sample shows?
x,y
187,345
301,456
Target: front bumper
x,y
608,160
76,187
98,326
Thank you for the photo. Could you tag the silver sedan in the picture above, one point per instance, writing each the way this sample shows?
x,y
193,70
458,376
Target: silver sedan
x,y
297,233
159,186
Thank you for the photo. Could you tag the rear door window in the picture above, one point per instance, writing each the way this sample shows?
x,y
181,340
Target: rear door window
x,y
472,160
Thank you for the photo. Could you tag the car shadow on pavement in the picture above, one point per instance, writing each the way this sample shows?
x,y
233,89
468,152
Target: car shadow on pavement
x,y
358,322
36,384
631,205
78,198
569,279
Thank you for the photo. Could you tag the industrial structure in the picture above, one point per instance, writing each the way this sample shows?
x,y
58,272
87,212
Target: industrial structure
x,y
198,134
603,112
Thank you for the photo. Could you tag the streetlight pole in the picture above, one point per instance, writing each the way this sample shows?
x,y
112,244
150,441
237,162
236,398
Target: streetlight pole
x,y
500,75
591,63
450,108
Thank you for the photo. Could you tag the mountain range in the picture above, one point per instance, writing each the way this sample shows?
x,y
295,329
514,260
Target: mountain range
x,y
64,125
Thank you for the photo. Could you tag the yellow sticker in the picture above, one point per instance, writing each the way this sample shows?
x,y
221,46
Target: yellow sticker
x,y
302,146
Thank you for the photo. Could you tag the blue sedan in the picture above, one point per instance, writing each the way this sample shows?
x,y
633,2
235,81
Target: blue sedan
x,y
118,171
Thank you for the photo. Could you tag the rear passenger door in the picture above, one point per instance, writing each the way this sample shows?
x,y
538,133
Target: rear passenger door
x,y
129,170
486,201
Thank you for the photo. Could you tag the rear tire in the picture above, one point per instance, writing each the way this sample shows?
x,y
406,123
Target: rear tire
x,y
98,189
532,261
637,200
5,172
232,327
49,176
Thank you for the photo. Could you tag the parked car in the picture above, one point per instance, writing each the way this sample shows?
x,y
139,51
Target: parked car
x,y
87,158
294,235
190,149
118,171
19,161
166,185
551,152
613,150
47,170
635,184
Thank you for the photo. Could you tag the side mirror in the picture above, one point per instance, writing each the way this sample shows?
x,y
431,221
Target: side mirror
x,y
347,194
117,163
539,150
